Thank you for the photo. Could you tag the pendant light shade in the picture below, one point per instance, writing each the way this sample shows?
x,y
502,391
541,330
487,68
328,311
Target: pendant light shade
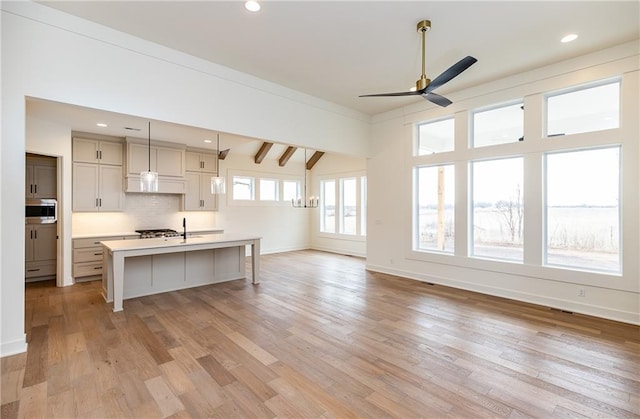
x,y
218,183
149,179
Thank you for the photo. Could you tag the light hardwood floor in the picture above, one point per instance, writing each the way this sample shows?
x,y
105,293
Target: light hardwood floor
x,y
319,337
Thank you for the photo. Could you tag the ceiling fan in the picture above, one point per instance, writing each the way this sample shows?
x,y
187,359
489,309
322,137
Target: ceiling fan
x,y
424,86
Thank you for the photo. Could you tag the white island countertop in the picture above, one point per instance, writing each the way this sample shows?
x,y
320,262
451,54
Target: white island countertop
x,y
116,251
170,242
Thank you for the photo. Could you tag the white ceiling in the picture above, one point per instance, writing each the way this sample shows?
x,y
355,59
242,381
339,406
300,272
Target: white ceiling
x,y
337,50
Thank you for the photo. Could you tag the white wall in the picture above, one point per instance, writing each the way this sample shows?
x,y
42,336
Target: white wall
x,y
390,195
50,55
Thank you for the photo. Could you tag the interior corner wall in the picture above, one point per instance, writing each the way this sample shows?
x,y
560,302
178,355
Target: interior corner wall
x,y
54,56
389,239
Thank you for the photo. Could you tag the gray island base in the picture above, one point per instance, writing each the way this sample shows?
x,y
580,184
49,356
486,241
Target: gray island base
x,y
134,268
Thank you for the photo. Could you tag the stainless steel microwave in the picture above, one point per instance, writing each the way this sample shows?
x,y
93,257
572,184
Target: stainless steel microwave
x,y
41,211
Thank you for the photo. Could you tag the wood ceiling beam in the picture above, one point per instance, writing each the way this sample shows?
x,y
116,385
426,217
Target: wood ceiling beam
x,y
222,154
314,159
286,155
262,153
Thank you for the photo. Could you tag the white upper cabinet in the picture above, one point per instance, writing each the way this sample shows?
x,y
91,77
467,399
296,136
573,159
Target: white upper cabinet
x,y
198,196
167,161
201,162
97,176
87,150
41,177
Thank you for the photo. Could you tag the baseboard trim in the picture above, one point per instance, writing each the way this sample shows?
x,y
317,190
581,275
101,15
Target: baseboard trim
x,y
557,303
14,347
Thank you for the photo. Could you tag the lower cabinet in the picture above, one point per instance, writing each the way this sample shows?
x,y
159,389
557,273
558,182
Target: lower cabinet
x,y
87,257
41,247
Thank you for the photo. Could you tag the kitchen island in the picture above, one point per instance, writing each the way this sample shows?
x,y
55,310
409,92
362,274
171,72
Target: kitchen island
x,y
133,268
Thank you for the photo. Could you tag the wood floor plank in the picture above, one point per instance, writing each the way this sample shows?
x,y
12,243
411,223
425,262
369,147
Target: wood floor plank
x,y
167,401
37,356
320,337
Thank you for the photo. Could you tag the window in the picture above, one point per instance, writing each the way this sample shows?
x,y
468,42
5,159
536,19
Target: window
x,y
593,108
290,190
363,205
435,209
498,210
349,206
435,137
498,125
583,209
328,206
343,206
243,188
268,190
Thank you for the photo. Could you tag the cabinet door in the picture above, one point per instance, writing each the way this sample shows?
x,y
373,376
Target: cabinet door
x,y
208,163
138,158
28,243
170,161
209,200
85,150
111,195
110,153
44,242
85,187
192,200
44,181
193,162
29,182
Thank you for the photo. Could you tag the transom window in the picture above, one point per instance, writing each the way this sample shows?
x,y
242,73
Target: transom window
x,y
435,137
504,124
587,109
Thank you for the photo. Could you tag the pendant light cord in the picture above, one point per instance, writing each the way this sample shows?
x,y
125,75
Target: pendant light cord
x,y
218,156
149,148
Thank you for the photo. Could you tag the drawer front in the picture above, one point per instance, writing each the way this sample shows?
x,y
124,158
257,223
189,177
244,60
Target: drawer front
x,y
91,242
95,241
89,254
87,269
35,269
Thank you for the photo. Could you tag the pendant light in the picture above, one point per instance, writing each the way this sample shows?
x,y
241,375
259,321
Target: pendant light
x,y
302,202
218,184
149,179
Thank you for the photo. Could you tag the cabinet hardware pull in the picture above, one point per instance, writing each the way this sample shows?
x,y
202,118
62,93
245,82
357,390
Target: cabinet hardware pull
x,y
100,201
31,188
35,234
33,270
96,202
35,188
100,154
96,242
98,254
31,235
98,267
97,155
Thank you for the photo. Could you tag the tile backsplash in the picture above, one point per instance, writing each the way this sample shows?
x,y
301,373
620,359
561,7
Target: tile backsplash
x,y
143,211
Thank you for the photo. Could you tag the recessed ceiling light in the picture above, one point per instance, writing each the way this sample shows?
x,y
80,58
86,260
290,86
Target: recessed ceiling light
x,y
569,38
207,141
101,124
252,5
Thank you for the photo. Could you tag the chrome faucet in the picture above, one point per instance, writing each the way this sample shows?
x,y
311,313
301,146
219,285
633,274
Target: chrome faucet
x,y
184,226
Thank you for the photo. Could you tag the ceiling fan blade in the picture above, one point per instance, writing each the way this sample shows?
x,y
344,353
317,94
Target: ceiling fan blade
x,y
393,94
451,72
437,99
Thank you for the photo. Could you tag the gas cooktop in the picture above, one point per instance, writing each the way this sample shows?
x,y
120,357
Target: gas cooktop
x,y
161,232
